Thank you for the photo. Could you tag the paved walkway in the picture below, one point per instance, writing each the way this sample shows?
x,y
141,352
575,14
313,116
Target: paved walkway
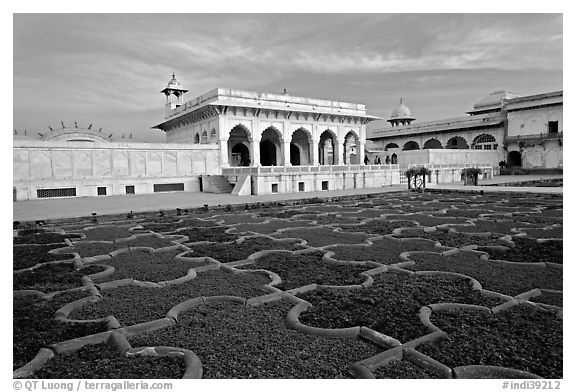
x,y
493,184
29,210
43,209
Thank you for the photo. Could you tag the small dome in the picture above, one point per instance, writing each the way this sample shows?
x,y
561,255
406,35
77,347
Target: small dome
x,y
493,100
401,112
174,82
174,87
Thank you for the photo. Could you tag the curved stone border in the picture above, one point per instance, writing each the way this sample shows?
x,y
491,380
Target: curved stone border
x,y
472,371
190,274
477,285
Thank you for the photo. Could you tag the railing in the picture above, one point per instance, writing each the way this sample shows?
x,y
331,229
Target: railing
x,y
541,135
432,166
233,171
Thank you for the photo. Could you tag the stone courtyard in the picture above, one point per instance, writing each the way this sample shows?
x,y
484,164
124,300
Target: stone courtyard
x,y
394,285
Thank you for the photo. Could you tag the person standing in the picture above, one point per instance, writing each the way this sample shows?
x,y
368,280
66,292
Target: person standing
x,y
366,160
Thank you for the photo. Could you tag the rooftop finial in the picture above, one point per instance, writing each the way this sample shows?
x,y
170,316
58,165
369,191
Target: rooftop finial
x,y
400,99
173,75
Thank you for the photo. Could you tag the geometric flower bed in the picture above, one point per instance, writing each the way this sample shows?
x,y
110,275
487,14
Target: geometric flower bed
x,y
301,269
506,339
386,286
35,326
506,278
133,305
103,361
149,266
26,256
378,306
236,341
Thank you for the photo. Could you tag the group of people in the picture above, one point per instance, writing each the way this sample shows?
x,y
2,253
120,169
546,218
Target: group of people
x,y
377,160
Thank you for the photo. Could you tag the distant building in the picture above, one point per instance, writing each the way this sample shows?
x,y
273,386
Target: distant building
x,y
523,131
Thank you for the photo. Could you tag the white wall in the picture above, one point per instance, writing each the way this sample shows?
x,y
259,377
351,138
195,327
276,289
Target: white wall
x,y
534,121
39,164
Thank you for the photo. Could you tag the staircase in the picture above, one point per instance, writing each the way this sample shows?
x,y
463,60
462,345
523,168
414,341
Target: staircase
x,y
216,184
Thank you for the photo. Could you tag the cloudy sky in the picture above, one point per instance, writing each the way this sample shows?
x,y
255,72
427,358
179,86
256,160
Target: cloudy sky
x,y
108,69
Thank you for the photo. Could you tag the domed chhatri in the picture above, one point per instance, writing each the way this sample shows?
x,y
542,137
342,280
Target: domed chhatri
x,y
401,115
174,88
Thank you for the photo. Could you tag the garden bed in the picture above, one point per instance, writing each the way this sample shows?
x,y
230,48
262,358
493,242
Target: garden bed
x,y
403,369
435,220
391,305
214,234
107,233
239,217
549,298
522,338
40,236
323,236
233,341
455,240
272,226
510,279
25,256
385,250
492,226
150,267
284,214
377,226
232,251
35,326
89,249
180,223
52,277
528,250
134,305
553,232
104,361
298,270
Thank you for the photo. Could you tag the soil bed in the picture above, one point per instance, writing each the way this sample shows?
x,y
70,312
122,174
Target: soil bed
x,y
234,341
403,369
304,269
434,220
228,252
214,234
549,298
521,337
385,250
503,278
52,277
35,326
107,233
327,219
391,305
491,226
272,226
455,240
378,226
555,232
528,250
285,214
25,256
463,212
134,305
89,249
239,217
104,361
323,236
168,227
40,236
150,267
